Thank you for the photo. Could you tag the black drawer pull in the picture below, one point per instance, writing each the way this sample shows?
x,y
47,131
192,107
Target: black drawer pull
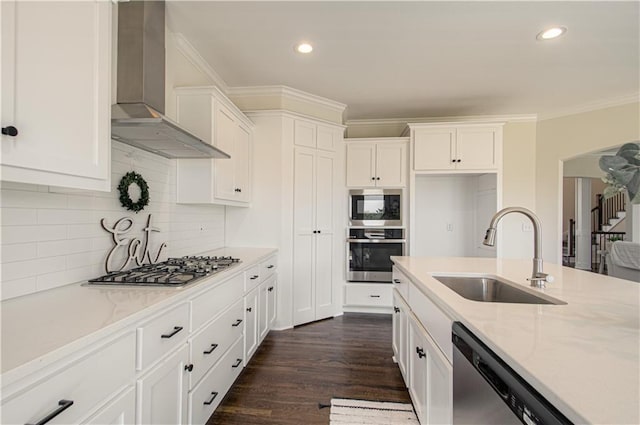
x,y
249,309
64,405
176,329
396,309
420,352
10,131
237,323
213,347
270,266
374,296
254,277
188,367
396,280
213,397
237,363
270,288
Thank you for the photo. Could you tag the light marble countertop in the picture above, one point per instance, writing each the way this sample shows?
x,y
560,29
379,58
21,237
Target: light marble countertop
x,y
45,326
584,357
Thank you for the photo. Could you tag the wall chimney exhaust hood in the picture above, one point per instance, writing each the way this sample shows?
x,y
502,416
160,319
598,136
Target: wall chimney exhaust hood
x,y
138,117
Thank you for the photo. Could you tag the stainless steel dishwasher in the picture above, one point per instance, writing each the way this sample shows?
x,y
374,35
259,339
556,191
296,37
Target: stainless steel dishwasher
x,y
487,391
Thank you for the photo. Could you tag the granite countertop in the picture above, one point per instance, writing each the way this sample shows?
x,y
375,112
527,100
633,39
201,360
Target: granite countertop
x,y
46,326
584,357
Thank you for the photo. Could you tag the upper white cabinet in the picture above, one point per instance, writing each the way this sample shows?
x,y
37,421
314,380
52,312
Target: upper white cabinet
x,y
211,116
314,135
56,93
450,147
377,162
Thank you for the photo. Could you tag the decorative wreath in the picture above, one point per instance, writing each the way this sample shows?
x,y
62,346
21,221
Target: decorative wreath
x,y
133,178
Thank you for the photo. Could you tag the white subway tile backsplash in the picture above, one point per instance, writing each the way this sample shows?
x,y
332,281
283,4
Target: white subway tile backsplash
x,y
52,236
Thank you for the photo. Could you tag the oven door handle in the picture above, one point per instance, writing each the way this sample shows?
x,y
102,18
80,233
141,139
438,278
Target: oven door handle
x,y
376,240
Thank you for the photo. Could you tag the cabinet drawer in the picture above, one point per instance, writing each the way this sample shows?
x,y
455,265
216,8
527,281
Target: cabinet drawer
x,y
208,394
437,324
160,335
215,339
89,381
209,304
252,278
377,295
268,268
401,283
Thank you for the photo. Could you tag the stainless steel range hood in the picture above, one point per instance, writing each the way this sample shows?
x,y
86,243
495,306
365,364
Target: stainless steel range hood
x,y
138,117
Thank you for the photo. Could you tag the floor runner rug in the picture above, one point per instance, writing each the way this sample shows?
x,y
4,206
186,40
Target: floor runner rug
x,y
362,412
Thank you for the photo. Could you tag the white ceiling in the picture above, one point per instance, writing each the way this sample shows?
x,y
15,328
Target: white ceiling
x,y
391,59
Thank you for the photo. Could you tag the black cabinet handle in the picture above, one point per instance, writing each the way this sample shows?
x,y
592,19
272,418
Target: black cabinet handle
x,y
176,329
64,405
188,367
459,160
10,131
396,280
420,352
214,395
319,231
377,178
237,323
396,309
270,288
237,363
249,309
209,351
254,277
270,266
373,178
453,160
374,296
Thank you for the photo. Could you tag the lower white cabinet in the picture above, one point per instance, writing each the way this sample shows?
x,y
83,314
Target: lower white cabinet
x,y
120,411
207,395
377,295
162,392
422,353
251,320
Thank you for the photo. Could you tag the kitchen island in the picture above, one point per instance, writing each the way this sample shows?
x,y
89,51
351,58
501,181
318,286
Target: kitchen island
x,y
582,356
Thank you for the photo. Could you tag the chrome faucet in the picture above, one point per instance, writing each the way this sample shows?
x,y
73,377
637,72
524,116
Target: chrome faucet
x,y
538,278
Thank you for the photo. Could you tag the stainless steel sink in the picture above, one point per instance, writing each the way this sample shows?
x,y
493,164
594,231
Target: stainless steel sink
x,y
493,290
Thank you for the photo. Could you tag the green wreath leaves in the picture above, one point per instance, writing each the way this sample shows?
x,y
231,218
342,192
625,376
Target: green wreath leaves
x,y
133,178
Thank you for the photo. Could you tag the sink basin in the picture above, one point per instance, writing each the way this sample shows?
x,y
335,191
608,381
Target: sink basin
x,y
490,289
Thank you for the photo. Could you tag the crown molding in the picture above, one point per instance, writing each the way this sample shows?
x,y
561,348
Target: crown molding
x,y
592,106
286,92
290,114
198,61
427,120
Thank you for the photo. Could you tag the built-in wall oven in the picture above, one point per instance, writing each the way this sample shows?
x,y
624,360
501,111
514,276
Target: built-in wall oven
x,y
369,251
375,207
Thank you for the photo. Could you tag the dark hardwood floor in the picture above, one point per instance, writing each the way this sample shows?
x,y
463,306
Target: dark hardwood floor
x,y
294,370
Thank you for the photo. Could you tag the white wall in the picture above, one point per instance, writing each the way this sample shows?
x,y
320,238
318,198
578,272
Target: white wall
x,y
563,138
451,214
52,237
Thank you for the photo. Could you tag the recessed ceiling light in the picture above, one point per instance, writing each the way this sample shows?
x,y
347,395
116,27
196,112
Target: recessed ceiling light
x,y
550,33
304,48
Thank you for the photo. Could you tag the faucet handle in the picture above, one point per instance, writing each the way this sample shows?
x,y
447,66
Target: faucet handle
x,y
540,280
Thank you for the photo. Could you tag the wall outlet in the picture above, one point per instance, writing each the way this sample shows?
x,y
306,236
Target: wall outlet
x,y
449,227
527,227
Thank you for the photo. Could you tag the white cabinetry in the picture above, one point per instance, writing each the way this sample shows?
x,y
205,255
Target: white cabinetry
x,y
313,197
377,162
376,297
210,115
56,92
314,135
251,316
120,411
463,147
423,350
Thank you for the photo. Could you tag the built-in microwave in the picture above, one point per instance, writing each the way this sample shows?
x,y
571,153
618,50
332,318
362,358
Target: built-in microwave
x,y
375,207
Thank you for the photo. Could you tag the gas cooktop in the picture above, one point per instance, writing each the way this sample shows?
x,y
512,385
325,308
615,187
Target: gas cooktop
x,y
174,272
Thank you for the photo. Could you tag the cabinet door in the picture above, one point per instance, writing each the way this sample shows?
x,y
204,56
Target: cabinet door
x,y
226,134
440,386
403,344
56,92
324,212
391,164
242,163
304,134
361,165
162,393
263,310
476,148
304,238
418,370
434,149
395,338
251,328
272,290
120,411
327,138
